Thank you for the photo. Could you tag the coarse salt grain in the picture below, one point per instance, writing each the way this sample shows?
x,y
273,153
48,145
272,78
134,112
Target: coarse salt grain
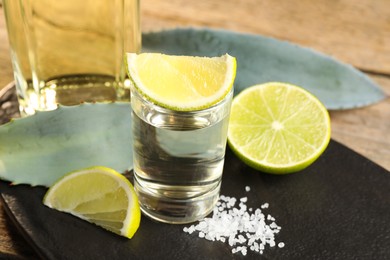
x,y
264,206
241,229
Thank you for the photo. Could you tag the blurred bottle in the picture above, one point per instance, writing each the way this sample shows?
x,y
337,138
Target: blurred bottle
x,y
72,51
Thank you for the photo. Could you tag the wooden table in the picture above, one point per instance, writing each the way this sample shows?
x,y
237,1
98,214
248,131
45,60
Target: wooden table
x,y
353,31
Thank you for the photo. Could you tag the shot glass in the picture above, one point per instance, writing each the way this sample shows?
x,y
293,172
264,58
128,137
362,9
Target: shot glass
x,y
68,52
178,158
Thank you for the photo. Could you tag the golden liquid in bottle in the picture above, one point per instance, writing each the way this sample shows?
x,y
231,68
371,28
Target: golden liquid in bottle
x,y
71,51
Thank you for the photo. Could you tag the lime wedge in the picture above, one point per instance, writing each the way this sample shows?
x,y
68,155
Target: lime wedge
x,y
278,127
182,83
99,195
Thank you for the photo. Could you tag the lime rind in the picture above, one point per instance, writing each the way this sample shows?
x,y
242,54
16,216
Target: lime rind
x,y
239,139
276,168
132,220
192,105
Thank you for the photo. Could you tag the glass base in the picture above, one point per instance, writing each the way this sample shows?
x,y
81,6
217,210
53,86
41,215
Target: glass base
x,y
72,90
175,210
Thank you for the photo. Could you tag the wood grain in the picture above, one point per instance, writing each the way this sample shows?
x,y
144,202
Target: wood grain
x,y
12,244
353,31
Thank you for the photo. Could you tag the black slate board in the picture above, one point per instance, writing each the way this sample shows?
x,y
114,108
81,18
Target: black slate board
x,y
338,208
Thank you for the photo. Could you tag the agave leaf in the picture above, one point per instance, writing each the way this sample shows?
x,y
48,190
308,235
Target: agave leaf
x,y
39,149
261,59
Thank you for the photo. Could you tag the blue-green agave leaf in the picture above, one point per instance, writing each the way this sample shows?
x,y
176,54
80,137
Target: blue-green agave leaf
x,y
261,59
39,149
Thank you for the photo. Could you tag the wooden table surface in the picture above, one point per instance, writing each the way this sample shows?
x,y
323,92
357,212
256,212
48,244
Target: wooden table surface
x,y
353,31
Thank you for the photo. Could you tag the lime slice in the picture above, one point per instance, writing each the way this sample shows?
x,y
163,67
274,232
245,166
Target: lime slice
x,y
99,195
182,83
278,128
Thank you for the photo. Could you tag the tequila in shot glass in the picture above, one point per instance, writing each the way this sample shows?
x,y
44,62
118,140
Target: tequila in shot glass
x,y
178,158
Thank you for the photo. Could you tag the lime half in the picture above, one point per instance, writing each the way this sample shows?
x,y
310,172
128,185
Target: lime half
x,y
278,127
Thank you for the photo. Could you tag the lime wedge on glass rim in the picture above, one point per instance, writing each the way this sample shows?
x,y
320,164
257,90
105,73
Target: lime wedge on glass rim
x,y
278,127
182,83
99,195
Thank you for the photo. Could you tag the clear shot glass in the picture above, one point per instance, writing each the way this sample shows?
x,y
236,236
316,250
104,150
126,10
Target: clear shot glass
x,y
178,158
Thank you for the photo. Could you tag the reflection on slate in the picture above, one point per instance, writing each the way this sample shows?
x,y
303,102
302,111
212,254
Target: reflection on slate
x,y
338,208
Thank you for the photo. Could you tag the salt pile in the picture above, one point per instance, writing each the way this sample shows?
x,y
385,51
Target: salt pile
x,y
242,228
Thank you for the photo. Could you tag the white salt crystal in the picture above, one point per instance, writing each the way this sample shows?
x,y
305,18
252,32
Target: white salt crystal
x,y
247,188
243,207
264,206
208,237
202,224
231,241
238,249
244,199
281,245
273,225
241,239
190,230
244,250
